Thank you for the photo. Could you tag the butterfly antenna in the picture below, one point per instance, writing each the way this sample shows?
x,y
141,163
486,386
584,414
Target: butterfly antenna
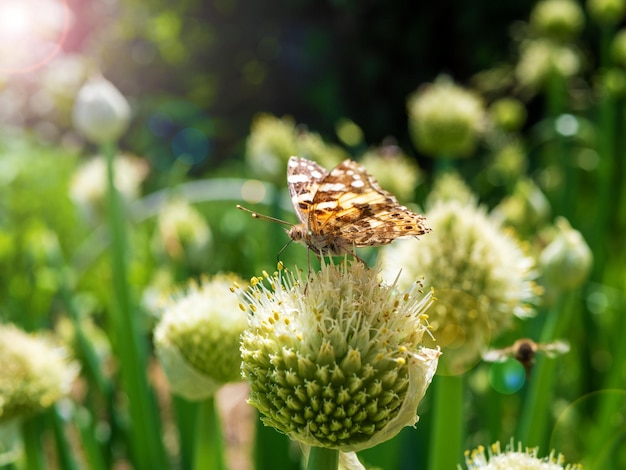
x,y
256,215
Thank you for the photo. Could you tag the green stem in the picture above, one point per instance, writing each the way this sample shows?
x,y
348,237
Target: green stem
x,y
446,448
321,458
147,447
268,444
31,434
613,397
533,425
208,448
91,447
64,449
443,165
186,417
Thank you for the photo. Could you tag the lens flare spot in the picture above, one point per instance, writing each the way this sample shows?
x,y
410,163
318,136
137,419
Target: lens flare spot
x,y
32,33
253,191
191,145
507,377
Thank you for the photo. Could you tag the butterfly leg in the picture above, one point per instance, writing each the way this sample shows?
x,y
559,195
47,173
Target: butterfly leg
x,y
352,252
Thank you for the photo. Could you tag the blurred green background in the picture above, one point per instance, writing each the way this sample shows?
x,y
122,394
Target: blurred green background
x,y
222,92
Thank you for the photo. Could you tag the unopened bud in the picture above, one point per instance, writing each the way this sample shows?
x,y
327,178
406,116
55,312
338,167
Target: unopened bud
x,y
101,113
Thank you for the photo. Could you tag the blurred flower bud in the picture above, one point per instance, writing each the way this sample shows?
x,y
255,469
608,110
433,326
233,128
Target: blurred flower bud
x,y
197,338
608,12
88,185
482,277
35,373
312,146
567,260
612,82
394,171
557,19
271,142
509,162
618,48
349,133
101,113
540,58
182,233
449,186
526,209
508,114
445,120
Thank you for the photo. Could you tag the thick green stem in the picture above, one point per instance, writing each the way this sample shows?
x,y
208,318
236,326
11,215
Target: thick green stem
x,y
446,448
63,446
534,424
85,425
208,448
31,435
321,458
272,450
130,347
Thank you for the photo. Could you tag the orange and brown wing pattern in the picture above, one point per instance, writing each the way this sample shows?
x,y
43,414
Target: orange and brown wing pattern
x,y
350,204
303,179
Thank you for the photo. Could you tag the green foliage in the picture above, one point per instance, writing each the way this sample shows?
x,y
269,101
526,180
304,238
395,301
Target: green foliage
x,y
550,146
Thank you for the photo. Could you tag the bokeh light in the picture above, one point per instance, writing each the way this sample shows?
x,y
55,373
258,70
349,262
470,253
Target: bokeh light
x,y
177,131
507,377
32,33
586,413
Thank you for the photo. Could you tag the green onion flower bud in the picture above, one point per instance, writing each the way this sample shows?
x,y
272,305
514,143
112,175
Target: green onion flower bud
x,y
612,81
312,146
445,120
394,171
509,162
336,360
526,209
271,142
197,338
508,114
557,19
88,185
483,279
514,458
35,373
539,58
101,113
618,48
607,12
449,186
182,233
567,260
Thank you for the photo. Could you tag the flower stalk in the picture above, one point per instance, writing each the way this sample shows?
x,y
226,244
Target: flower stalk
x,y
447,427
208,449
321,458
145,434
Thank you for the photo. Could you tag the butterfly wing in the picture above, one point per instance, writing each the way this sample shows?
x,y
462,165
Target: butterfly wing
x,y
303,179
350,203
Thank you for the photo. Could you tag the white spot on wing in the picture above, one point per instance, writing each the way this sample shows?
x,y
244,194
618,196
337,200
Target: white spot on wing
x,y
327,205
357,184
297,179
331,187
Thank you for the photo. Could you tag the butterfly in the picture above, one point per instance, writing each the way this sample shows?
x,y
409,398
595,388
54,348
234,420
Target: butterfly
x,y
345,208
